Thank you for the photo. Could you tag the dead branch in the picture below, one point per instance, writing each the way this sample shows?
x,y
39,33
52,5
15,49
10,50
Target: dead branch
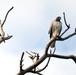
x,y
21,60
68,26
65,38
36,72
63,56
2,34
5,38
31,56
34,56
58,39
47,55
46,64
65,20
29,69
6,16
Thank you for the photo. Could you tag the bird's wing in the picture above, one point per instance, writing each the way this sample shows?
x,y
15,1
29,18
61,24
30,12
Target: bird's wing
x,y
50,30
60,28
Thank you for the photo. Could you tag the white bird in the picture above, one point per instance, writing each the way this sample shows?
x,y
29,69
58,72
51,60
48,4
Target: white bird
x,y
55,30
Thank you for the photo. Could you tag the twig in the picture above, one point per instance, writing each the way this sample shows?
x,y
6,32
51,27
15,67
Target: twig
x,y
65,21
5,38
21,60
36,55
36,72
6,16
46,64
34,52
29,53
64,32
68,26
58,39
65,38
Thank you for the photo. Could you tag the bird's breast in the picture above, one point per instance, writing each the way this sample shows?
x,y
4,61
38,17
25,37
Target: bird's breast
x,y
57,25
56,29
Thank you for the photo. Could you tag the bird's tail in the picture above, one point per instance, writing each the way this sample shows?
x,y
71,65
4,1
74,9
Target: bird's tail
x,y
53,43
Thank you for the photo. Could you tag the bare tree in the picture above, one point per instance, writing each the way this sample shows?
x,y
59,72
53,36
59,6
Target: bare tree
x,y
47,54
2,33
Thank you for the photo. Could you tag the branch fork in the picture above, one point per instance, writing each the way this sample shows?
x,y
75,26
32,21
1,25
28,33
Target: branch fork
x,y
9,36
47,55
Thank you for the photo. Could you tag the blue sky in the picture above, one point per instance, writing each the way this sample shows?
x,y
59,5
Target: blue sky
x,y
29,22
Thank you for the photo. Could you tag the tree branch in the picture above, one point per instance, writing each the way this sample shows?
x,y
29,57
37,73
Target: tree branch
x,y
46,64
36,72
65,38
29,69
58,39
6,16
63,56
46,55
5,38
21,60
68,26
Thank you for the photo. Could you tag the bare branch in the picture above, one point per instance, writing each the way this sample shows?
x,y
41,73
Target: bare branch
x,y
64,32
21,60
58,39
46,55
29,69
29,53
32,57
65,21
36,72
68,26
6,16
63,56
65,38
46,64
5,38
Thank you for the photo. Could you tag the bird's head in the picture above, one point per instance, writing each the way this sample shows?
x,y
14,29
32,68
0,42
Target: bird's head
x,y
58,18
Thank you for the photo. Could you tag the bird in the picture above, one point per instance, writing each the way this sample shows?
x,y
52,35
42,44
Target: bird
x,y
55,30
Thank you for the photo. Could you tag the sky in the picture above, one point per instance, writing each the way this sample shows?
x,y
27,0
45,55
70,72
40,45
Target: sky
x,y
29,23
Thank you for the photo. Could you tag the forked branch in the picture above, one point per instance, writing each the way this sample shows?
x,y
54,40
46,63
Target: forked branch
x,y
45,65
68,26
48,55
5,38
2,33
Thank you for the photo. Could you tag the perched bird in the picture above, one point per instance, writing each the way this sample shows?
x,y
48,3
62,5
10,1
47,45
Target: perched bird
x,y
55,30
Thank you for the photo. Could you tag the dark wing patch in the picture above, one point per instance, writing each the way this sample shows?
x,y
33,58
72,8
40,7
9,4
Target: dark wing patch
x,y
51,31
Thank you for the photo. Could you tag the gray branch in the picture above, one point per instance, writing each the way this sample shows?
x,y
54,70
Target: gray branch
x,y
47,55
6,16
68,26
6,38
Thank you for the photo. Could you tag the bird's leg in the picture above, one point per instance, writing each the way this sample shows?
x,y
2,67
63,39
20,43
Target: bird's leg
x,y
54,50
